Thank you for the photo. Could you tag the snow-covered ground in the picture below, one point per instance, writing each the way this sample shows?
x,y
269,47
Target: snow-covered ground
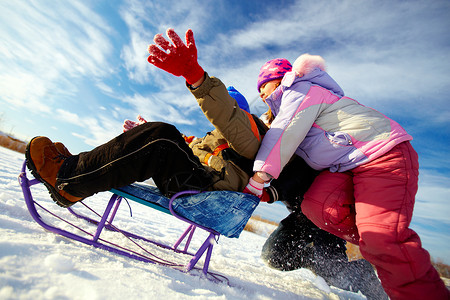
x,y
35,264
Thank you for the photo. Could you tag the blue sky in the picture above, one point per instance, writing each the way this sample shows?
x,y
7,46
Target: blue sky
x,y
74,70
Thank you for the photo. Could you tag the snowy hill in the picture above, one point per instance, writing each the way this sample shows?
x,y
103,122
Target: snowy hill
x,y
35,264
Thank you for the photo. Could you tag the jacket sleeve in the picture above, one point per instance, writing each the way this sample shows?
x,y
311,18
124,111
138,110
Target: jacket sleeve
x,y
205,148
289,128
224,113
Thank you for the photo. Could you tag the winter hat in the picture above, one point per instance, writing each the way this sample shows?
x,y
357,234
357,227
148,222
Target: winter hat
x,y
273,69
240,99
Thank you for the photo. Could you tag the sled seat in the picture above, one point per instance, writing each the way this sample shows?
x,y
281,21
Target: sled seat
x,y
216,212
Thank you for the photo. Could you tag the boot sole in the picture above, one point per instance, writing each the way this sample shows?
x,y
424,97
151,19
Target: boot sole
x,y
54,194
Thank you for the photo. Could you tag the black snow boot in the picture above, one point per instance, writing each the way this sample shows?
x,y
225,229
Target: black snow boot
x,y
298,243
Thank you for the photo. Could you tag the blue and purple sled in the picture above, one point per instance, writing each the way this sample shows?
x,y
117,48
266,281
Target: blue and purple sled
x,y
217,212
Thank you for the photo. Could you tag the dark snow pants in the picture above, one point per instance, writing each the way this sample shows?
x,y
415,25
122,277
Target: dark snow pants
x,y
152,150
298,243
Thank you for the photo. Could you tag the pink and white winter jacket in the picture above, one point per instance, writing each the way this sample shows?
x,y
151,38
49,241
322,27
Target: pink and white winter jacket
x,y
314,120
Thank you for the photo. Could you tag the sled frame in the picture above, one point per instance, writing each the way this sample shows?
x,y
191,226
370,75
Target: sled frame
x,y
107,218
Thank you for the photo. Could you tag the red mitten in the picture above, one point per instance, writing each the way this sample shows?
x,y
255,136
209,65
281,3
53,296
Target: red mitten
x,y
128,124
177,58
254,188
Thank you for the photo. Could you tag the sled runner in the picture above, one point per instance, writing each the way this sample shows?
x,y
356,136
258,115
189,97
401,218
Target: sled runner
x,y
218,213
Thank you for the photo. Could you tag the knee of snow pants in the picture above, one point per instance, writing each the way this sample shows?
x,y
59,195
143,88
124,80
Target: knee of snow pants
x,y
329,203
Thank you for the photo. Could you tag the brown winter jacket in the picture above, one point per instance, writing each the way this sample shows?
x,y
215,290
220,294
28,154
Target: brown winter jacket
x,y
234,128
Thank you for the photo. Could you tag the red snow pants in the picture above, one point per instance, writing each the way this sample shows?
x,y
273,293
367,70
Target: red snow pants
x,y
371,206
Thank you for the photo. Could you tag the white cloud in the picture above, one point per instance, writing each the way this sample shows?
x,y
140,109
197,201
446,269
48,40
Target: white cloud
x,y
378,52
432,196
383,54
105,89
23,90
134,56
99,129
171,106
69,117
48,45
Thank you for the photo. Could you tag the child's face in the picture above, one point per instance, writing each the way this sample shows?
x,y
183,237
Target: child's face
x,y
268,88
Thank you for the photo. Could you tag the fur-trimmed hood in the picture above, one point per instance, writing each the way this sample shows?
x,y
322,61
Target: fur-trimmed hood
x,y
307,68
303,65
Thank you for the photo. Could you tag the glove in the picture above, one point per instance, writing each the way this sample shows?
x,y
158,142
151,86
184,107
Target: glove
x,y
269,195
178,59
254,188
128,124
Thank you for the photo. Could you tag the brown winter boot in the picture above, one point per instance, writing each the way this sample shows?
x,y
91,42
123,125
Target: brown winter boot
x,y
44,159
62,149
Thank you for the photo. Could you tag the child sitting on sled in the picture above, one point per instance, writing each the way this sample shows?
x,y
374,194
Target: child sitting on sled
x,y
158,150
